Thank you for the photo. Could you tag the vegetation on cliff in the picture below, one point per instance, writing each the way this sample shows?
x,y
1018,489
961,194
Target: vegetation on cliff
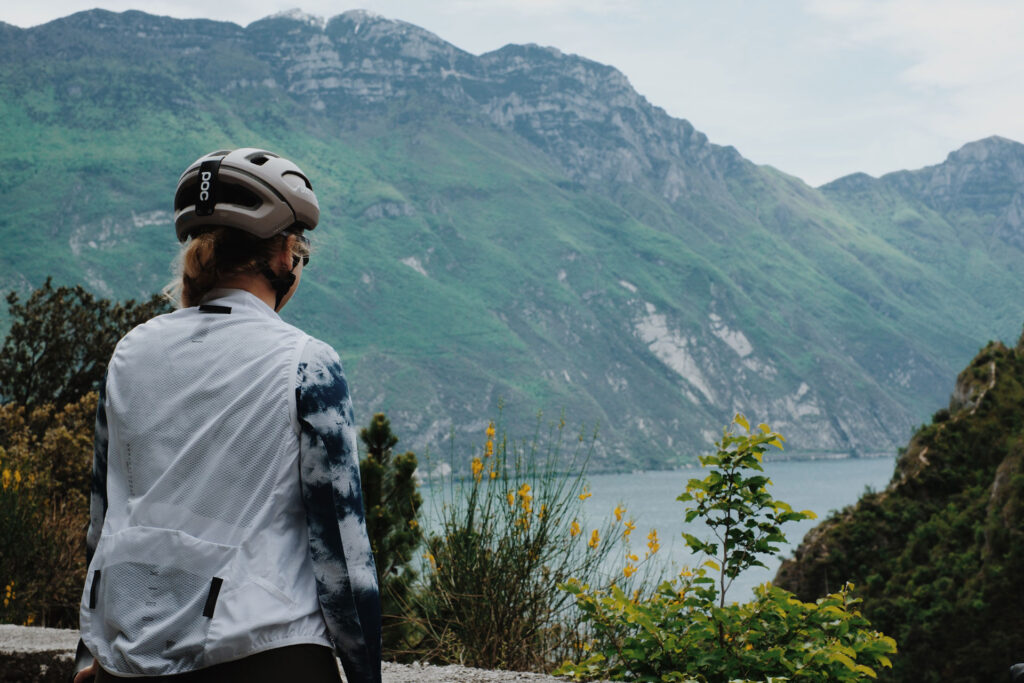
x,y
937,557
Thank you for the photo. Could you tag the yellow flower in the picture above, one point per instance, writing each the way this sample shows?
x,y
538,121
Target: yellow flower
x,y
494,475
6,478
17,477
526,496
595,539
619,510
511,498
629,570
490,431
413,524
543,509
652,541
488,448
630,525
685,573
478,467
586,493
631,557
430,557
574,529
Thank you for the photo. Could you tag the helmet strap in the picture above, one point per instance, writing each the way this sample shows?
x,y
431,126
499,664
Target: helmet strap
x,y
280,283
209,171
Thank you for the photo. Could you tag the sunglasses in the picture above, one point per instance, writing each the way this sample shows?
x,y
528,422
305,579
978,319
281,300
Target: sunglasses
x,y
304,240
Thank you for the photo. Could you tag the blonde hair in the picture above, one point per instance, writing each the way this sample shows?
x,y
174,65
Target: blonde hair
x,y
213,256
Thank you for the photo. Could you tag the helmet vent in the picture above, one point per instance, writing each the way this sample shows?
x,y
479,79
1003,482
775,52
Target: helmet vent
x,y
259,160
241,196
227,193
304,179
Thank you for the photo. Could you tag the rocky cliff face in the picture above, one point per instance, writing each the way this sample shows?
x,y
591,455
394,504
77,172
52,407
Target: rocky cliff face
x,y
585,114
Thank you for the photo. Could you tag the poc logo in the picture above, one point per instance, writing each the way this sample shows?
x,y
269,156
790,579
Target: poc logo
x,y
204,186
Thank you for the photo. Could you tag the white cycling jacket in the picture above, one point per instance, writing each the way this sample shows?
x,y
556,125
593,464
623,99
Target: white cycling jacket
x,y
226,513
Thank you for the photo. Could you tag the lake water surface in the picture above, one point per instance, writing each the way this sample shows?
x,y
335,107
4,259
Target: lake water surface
x,y
650,499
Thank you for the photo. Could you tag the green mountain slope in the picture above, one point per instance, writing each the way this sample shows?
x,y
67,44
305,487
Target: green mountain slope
x,y
937,555
518,226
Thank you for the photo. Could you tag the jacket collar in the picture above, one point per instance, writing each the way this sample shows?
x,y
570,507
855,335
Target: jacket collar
x,y
239,299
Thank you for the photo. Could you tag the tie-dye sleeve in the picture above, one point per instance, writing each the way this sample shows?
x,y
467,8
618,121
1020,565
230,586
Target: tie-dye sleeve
x,y
98,489
97,502
340,549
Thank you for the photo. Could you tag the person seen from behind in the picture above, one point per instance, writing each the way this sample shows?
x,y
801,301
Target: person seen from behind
x,y
227,540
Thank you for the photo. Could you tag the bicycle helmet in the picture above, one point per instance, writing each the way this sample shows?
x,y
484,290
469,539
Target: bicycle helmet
x,y
249,189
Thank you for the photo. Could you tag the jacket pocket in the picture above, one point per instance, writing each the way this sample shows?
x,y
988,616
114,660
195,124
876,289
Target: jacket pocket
x,y
154,593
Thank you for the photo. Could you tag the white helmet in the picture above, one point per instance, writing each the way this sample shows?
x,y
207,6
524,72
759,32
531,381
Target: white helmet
x,y
250,189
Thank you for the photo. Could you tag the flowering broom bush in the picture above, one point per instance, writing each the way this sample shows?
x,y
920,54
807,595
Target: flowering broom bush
x,y
509,533
687,632
45,464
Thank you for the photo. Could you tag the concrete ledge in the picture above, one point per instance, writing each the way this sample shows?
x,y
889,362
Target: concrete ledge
x,y
46,655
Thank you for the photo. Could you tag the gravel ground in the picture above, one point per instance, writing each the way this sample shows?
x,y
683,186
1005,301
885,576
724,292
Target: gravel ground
x,y
20,640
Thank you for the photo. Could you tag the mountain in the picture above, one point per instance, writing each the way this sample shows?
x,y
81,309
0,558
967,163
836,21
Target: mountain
x,y
518,228
936,556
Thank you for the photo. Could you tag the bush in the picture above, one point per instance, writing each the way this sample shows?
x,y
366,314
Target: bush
x,y
685,631
509,534
51,363
45,465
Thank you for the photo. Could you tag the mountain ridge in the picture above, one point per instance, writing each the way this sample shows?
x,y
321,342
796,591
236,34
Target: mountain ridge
x,y
520,224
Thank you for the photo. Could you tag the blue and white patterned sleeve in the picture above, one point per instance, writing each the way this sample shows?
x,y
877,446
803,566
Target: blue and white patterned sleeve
x,y
97,503
343,564
98,489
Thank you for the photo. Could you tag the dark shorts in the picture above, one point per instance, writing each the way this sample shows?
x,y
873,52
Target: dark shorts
x,y
306,663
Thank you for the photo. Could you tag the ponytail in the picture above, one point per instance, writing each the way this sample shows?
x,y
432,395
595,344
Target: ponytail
x,y
213,256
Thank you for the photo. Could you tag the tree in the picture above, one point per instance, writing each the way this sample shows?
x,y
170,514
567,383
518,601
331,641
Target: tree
x,y
60,341
686,632
392,505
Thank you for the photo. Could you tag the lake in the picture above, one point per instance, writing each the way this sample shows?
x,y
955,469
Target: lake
x,y
817,485
650,499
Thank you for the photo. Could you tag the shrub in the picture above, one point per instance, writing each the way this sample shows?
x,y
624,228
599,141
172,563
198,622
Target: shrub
x,y
509,533
685,631
45,464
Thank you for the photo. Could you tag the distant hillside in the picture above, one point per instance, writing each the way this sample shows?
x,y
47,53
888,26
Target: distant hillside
x,y
518,226
938,555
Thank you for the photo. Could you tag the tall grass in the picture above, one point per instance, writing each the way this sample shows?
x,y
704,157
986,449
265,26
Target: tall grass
x,y
507,533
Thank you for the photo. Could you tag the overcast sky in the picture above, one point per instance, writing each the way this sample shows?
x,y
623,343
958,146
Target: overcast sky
x,y
816,88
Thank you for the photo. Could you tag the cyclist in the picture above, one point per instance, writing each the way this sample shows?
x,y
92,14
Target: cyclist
x,y
227,540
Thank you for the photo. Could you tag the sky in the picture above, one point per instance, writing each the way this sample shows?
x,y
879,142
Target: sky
x,y
816,88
